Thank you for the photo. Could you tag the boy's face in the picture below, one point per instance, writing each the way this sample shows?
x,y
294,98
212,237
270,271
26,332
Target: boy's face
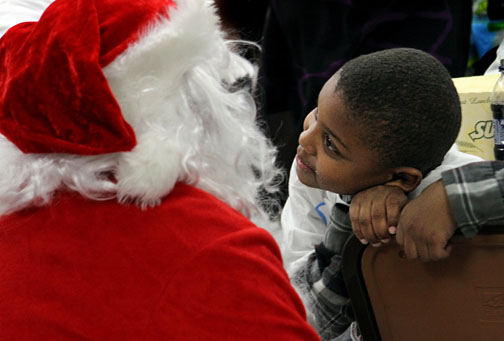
x,y
330,154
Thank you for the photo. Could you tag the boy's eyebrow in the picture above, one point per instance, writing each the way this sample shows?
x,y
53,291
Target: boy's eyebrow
x,y
330,132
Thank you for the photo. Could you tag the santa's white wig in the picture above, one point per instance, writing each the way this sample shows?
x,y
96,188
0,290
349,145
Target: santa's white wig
x,y
180,87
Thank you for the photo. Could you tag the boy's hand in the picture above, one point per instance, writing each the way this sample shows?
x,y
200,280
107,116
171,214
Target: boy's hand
x,y
426,224
374,213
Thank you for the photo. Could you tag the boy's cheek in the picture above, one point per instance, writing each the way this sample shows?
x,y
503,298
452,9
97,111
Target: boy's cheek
x,y
340,186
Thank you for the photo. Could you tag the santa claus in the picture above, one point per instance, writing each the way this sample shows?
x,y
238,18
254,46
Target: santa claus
x,y
130,165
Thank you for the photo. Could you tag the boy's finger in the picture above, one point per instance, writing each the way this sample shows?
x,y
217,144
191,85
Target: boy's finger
x,y
354,219
410,248
423,251
366,225
399,234
379,221
393,212
357,214
438,252
438,249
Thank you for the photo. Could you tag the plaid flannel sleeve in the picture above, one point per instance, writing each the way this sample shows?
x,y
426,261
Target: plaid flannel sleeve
x,y
476,195
320,281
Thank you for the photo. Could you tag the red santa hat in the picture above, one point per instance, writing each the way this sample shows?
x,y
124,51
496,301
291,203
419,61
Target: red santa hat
x,y
54,95
94,77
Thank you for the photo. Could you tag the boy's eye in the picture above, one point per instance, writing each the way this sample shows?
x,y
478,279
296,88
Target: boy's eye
x,y
330,146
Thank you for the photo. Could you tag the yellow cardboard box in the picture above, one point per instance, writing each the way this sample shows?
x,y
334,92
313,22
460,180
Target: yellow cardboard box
x,y
476,134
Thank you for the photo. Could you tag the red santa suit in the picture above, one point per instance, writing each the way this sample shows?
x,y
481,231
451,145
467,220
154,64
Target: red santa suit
x,y
191,268
129,166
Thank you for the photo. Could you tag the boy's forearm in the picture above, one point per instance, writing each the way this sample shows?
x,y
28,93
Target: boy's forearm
x,y
476,193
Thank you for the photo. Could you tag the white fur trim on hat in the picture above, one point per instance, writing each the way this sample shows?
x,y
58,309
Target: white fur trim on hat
x,y
147,80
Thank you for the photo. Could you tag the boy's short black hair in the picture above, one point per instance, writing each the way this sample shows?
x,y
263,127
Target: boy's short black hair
x,y
406,101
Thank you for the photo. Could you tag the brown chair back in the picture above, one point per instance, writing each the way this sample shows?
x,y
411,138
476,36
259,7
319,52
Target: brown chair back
x,y
459,298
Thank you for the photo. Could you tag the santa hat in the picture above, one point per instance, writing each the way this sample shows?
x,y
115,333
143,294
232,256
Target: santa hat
x,y
55,97
66,81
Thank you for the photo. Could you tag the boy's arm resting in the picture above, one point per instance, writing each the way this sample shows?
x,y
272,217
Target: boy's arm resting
x,y
468,198
426,225
476,195
374,213
378,206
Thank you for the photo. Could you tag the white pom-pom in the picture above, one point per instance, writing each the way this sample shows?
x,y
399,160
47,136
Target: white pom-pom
x,y
149,171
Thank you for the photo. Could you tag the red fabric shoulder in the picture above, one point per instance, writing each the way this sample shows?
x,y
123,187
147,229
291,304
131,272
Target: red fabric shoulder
x,y
191,268
241,293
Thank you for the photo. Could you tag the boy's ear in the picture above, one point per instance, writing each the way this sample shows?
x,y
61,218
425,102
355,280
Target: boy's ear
x,y
406,178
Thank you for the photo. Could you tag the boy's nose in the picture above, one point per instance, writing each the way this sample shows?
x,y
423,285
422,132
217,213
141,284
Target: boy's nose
x,y
306,138
309,120
306,141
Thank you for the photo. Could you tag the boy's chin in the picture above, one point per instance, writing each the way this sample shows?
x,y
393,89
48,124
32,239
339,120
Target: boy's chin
x,y
310,180
306,177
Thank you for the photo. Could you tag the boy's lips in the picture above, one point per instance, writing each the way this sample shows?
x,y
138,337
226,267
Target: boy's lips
x,y
303,164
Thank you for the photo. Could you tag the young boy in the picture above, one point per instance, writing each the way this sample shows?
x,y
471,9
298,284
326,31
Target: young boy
x,y
388,118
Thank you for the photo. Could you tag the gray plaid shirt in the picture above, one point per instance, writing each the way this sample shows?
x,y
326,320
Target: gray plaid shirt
x,y
476,195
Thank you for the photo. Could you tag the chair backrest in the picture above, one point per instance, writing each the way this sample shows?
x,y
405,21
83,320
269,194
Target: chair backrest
x,y
459,298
